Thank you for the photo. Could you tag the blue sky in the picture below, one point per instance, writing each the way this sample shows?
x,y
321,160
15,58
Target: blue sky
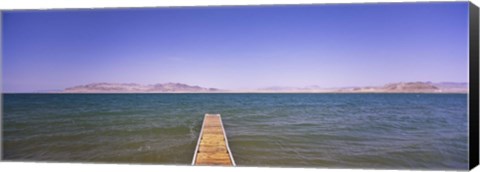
x,y
237,47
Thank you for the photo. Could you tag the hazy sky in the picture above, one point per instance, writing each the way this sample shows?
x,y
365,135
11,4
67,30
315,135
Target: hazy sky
x,y
237,47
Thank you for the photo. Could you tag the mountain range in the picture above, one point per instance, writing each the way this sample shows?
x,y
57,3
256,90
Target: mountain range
x,y
399,87
136,88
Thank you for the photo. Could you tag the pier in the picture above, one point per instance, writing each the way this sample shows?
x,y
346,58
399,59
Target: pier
x,y
212,146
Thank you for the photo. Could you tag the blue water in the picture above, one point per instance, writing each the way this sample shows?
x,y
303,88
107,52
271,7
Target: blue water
x,y
386,131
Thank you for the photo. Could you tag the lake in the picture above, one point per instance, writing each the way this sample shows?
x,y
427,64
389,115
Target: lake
x,y
381,131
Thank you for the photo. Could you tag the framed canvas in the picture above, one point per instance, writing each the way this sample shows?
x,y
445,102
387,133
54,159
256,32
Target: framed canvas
x,y
342,86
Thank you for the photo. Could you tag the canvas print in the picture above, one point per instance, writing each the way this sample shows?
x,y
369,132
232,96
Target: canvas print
x,y
362,86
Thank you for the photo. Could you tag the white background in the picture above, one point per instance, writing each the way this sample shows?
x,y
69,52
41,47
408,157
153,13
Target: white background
x,y
80,167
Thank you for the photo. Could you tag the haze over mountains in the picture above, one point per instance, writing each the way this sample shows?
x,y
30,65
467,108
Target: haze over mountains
x,y
400,87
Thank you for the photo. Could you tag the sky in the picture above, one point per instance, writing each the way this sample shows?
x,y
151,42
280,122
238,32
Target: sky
x,y
236,47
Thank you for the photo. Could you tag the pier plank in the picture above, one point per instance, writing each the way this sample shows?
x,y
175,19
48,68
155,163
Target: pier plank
x,y
212,147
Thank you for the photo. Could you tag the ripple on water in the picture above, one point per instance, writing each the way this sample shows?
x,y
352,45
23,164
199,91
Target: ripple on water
x,y
427,131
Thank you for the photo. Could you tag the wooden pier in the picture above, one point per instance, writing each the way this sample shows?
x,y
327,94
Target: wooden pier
x,y
212,146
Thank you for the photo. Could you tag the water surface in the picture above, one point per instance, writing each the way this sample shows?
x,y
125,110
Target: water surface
x,y
414,131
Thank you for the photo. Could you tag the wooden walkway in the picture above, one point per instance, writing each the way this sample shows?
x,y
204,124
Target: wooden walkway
x,y
212,146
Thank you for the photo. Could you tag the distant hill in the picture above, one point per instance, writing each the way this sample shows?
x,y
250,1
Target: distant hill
x,y
413,87
400,87
136,88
